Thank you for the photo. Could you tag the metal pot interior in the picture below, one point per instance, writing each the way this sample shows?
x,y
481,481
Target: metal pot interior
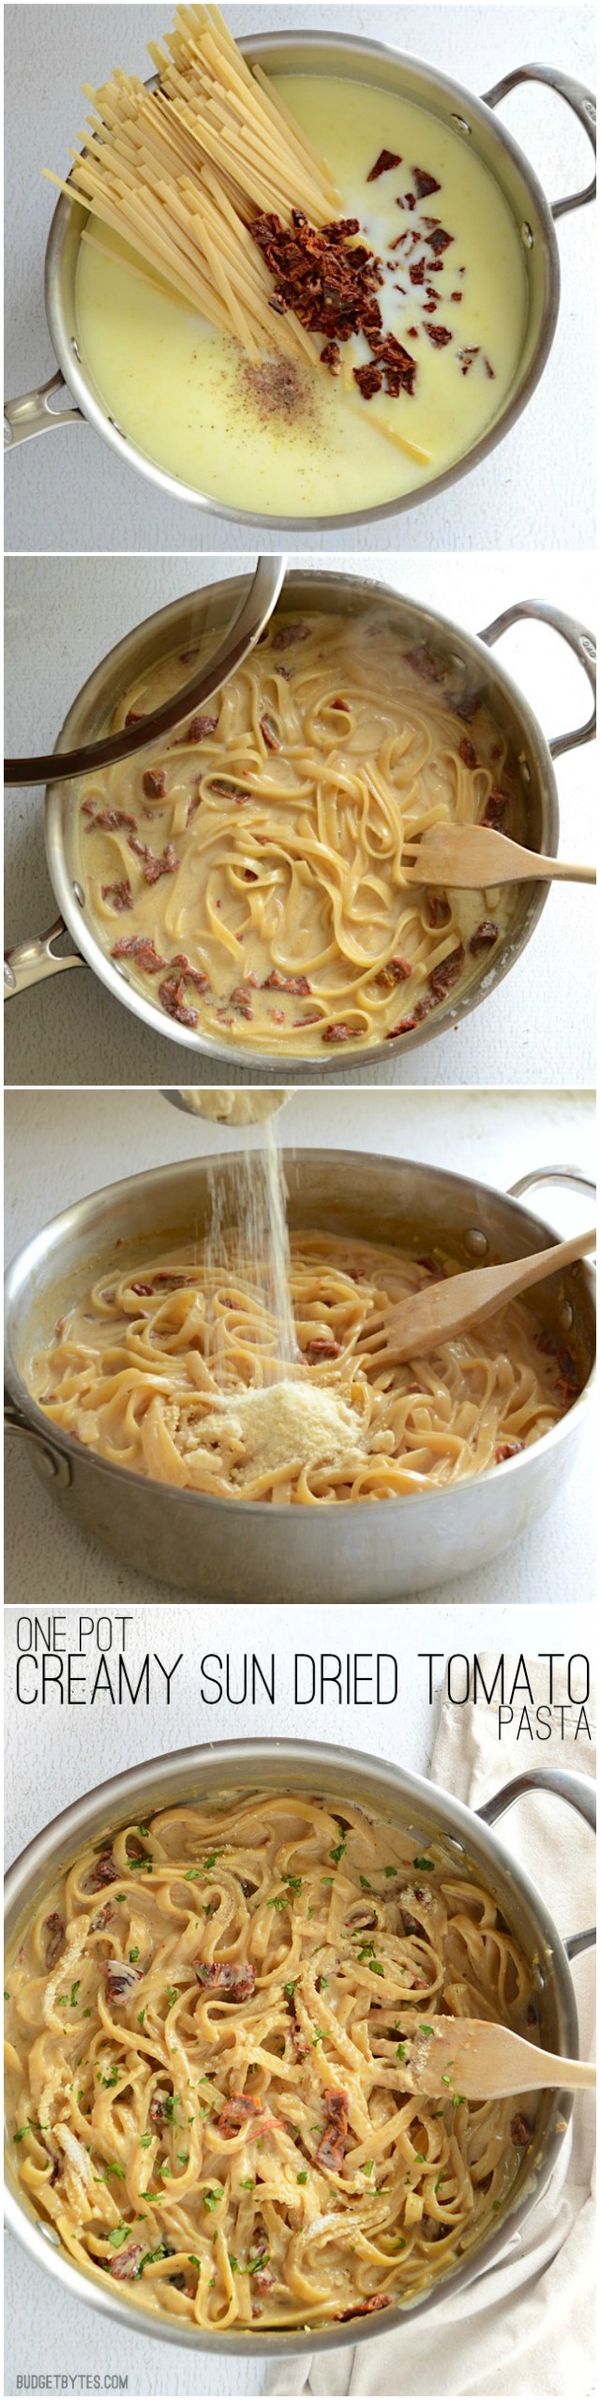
x,y
359,61
383,1199
401,1799
470,669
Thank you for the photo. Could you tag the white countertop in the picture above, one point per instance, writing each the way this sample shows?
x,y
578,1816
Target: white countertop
x,y
62,1145
51,2333
65,614
537,487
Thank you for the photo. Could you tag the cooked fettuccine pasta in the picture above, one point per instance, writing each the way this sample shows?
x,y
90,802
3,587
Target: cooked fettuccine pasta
x,y
209,2042
171,1367
253,881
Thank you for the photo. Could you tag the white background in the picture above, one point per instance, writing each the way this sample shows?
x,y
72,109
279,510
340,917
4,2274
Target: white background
x,y
536,1028
70,491
50,2332
60,1146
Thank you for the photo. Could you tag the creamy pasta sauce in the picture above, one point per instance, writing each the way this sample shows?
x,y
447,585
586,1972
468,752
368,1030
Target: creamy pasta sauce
x,y
210,2021
153,1369
253,881
179,390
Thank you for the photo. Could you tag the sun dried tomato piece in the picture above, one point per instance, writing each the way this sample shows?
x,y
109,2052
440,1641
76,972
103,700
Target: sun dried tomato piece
x,y
437,909
438,240
135,716
120,1978
418,271
321,1345
330,2153
297,985
383,164
240,1001
365,2308
285,635
225,789
438,334
126,2265
232,1979
171,994
154,783
396,971
198,730
424,183
119,894
467,357
56,1939
269,733
495,809
484,936
467,752
104,1871
506,1450
331,357
520,2132
338,1033
368,379
425,664
139,947
153,867
110,819
240,2109
447,973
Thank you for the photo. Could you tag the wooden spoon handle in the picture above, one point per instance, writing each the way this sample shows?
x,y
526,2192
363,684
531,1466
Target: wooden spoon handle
x,y
443,1309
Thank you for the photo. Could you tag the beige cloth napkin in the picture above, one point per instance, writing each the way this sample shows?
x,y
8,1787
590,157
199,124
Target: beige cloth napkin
x,y
525,2327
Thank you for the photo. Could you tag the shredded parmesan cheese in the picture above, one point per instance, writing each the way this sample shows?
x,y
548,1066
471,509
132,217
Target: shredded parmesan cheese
x,y
284,1423
231,1107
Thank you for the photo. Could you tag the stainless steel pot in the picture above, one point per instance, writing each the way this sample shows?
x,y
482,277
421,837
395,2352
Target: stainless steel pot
x,y
467,665
473,119
403,1799
253,1551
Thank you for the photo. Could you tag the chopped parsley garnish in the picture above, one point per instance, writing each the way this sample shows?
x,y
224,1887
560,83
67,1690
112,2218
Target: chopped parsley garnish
x,y
145,2140
20,2136
75,1987
420,2154
391,1870
108,2080
133,1954
135,1864
182,2158
143,1829
426,1865
192,1874
364,1883
141,2015
338,1851
113,2169
212,1858
211,2199
401,2052
295,1882
317,2037
428,2029
192,2260
289,1989
255,2263
303,2176
457,2099
366,1950
376,1967
281,1900
249,2183
171,1994
118,2236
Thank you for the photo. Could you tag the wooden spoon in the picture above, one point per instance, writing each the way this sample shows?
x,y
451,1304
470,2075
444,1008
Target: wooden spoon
x,y
475,858
483,2061
439,1310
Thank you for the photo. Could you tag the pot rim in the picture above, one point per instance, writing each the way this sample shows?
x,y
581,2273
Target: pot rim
x,y
451,1012
260,46
173,1496
457,1818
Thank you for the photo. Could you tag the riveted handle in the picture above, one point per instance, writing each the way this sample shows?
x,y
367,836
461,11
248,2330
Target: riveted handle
x,y
32,961
577,97
577,1790
56,1468
32,413
580,641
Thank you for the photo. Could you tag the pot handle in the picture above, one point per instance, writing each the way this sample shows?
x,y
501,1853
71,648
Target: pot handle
x,y
56,1468
579,640
577,97
578,1790
32,413
572,1177
32,961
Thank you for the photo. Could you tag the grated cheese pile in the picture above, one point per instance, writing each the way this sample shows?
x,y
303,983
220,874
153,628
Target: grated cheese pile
x,y
286,1423
233,1108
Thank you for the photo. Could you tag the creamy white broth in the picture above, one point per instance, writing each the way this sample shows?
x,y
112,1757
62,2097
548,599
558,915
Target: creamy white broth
x,y
178,389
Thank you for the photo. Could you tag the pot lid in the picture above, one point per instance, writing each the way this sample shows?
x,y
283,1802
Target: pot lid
x,y
208,651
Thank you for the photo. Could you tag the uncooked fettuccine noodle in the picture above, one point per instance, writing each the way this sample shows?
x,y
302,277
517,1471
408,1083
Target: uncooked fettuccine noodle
x,y
208,2026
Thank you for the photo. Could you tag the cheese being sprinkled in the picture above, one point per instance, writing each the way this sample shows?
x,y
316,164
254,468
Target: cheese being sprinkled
x,y
286,1423
231,1107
